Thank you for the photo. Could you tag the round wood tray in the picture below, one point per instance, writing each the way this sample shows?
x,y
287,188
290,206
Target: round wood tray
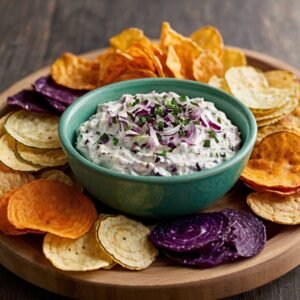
x,y
163,280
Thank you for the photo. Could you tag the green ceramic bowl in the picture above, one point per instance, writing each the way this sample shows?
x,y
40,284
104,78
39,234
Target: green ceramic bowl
x,y
151,196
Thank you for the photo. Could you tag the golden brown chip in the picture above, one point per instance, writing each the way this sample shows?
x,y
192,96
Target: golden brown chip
x,y
58,209
75,72
206,65
82,254
57,175
126,38
126,242
276,208
135,74
209,37
292,119
9,157
173,63
275,162
10,180
233,58
2,122
219,83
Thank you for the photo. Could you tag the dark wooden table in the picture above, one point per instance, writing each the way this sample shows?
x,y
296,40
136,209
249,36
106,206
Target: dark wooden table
x,y
34,32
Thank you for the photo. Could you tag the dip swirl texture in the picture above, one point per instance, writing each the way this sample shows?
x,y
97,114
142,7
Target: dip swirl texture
x,y
159,134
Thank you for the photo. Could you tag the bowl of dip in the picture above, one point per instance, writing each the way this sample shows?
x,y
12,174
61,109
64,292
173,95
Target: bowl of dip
x,y
157,147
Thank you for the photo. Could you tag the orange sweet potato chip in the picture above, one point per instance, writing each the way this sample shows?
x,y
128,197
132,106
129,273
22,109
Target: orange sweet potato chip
x,y
275,162
51,206
75,72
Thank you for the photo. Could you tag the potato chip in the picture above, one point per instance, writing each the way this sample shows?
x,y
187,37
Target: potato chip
x,y
206,65
267,130
276,208
186,49
9,157
135,74
252,88
268,122
233,58
126,242
219,83
75,72
34,129
58,209
283,79
82,254
173,63
126,38
2,122
275,162
10,180
292,119
57,175
42,157
209,38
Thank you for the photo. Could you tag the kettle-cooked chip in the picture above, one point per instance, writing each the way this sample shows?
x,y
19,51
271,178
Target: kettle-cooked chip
x,y
276,208
57,175
126,242
126,38
233,58
82,254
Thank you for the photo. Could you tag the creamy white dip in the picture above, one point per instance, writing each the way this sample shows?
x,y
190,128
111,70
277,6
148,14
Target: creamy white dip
x,y
158,134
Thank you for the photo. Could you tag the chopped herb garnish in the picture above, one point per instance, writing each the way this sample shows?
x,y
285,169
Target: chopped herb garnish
x,y
194,103
143,120
186,122
183,98
197,122
160,125
159,111
103,138
115,141
162,153
206,143
213,135
174,102
219,120
181,133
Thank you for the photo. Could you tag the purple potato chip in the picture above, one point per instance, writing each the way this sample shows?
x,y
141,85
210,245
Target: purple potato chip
x,y
29,100
190,233
247,233
47,87
211,255
59,106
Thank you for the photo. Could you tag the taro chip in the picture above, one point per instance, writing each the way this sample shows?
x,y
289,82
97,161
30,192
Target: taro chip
x,y
206,65
248,233
9,157
209,38
75,72
275,162
276,208
62,210
34,129
42,157
190,233
82,254
30,100
58,106
126,38
233,58
126,242
47,87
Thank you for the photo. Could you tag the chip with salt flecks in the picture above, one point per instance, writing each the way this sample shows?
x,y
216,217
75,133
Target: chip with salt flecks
x,y
126,242
276,208
233,58
82,254
219,83
75,72
209,37
59,209
275,162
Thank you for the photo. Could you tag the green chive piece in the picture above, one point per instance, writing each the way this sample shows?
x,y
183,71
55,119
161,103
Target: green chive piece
x,y
219,120
213,135
162,153
143,120
160,125
103,137
115,141
174,102
183,98
186,122
159,111
206,144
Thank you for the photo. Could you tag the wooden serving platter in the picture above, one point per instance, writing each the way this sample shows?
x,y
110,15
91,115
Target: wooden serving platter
x,y
164,279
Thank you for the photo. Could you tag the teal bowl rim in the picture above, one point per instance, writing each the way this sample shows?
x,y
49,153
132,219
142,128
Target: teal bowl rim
x,y
246,148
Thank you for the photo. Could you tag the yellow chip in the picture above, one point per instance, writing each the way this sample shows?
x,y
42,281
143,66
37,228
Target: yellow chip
x,y
57,175
219,83
34,129
252,88
82,254
206,65
276,208
268,122
10,180
173,63
282,79
209,37
42,157
292,119
233,58
126,38
126,242
9,157
267,130
2,122
134,74
75,72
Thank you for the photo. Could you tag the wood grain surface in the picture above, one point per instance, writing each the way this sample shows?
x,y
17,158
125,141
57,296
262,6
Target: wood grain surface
x,y
34,32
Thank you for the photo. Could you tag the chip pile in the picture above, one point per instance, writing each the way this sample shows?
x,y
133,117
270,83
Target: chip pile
x,y
210,239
